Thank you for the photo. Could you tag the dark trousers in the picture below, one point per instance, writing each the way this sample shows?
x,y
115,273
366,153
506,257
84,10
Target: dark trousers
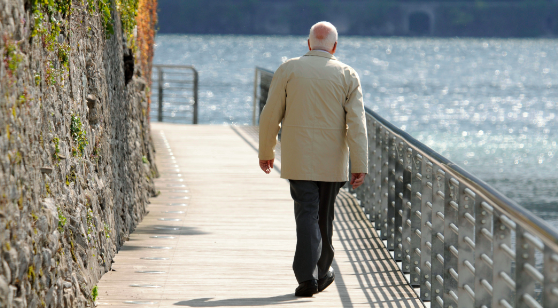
x,y
314,213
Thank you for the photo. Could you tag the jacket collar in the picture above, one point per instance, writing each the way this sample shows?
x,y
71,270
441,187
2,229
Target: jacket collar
x,y
320,54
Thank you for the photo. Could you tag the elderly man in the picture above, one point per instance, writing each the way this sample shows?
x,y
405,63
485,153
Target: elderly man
x,y
318,100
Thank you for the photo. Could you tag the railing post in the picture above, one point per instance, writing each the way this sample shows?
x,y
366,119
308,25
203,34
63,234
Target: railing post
x,y
406,204
385,182
415,249
399,222
484,259
467,246
502,279
525,257
160,94
550,287
424,185
378,217
196,103
391,192
366,194
451,252
438,237
255,97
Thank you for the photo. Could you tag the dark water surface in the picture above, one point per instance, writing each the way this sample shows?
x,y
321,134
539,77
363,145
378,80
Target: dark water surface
x,y
489,105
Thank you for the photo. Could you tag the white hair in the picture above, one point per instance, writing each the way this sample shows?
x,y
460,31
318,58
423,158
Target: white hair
x,y
323,35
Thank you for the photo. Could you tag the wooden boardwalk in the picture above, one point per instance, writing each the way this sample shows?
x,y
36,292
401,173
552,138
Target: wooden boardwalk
x,y
222,234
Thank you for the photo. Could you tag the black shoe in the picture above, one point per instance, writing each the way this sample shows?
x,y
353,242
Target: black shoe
x,y
307,288
328,279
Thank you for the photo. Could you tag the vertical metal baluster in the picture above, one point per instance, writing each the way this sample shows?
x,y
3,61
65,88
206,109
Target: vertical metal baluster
x,y
399,221
368,186
503,256
467,247
438,237
255,107
483,214
196,102
425,182
378,217
550,286
385,182
407,188
415,248
160,94
525,256
451,257
363,192
391,193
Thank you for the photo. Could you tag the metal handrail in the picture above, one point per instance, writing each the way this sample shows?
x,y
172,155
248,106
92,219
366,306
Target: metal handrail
x,y
452,232
160,68
463,243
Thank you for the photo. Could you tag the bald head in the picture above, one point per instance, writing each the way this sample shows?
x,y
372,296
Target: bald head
x,y
323,36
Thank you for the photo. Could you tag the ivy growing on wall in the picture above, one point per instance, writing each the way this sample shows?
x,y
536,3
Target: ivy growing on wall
x,y
128,10
45,13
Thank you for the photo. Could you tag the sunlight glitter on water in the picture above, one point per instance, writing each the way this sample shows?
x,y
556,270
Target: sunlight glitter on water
x,y
489,105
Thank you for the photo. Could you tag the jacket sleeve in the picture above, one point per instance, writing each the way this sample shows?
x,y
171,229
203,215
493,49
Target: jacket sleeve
x,y
355,118
272,115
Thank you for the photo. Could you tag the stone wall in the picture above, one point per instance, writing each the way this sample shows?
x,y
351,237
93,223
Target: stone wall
x,y
75,146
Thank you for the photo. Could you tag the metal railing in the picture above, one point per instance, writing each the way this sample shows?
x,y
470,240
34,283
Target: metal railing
x,y
262,80
175,93
462,243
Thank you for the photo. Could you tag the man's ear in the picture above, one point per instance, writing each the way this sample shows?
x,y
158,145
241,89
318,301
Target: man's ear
x,y
309,48
334,48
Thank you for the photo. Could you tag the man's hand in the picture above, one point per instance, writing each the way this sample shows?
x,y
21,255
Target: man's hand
x,y
356,179
266,165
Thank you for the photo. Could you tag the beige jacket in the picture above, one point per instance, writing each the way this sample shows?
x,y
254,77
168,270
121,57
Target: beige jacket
x,y
318,99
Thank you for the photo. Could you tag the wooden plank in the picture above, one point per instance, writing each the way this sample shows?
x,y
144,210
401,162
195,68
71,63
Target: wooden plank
x,y
233,243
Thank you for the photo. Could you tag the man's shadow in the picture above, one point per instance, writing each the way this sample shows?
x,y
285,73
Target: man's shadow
x,y
236,302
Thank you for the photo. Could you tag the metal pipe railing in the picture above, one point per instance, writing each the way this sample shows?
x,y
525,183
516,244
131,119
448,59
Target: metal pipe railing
x,y
454,232
180,81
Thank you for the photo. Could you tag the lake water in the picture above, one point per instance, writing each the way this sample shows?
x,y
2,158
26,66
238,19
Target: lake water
x,y
489,105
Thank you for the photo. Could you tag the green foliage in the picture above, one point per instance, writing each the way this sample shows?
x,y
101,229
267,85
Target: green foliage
x,y
128,10
63,54
103,7
144,159
94,293
49,28
61,220
71,177
90,223
107,231
51,73
56,142
37,79
21,99
79,135
12,56
31,273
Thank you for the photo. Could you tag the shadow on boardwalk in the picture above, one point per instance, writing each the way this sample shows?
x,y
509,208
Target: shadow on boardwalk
x,y
230,240
243,302
378,276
